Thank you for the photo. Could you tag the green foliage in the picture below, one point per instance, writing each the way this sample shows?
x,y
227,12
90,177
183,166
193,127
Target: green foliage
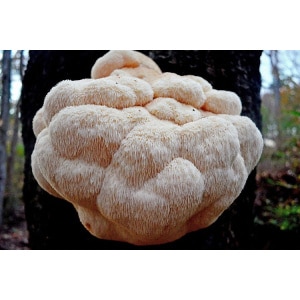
x,y
284,216
280,204
295,113
20,151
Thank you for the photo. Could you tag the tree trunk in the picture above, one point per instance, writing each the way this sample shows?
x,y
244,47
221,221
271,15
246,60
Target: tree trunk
x,y
276,85
13,146
276,81
54,224
5,101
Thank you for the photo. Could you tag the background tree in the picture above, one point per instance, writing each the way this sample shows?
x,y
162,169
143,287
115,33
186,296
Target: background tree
x,y
54,224
11,70
274,60
281,111
4,124
13,172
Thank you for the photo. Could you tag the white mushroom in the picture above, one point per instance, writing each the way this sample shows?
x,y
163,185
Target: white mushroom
x,y
145,157
131,61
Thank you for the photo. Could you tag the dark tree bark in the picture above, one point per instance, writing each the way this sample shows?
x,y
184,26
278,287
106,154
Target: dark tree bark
x,y
54,224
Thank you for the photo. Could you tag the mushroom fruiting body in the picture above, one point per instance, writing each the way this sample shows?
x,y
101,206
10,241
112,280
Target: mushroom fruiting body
x,y
144,156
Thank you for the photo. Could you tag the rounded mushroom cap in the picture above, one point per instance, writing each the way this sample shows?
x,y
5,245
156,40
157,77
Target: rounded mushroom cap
x,y
39,122
114,91
117,59
145,157
181,88
206,86
222,102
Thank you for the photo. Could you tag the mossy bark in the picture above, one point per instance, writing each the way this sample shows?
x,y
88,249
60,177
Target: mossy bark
x,y
54,224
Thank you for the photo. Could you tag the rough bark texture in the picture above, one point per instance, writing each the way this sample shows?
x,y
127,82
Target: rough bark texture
x,y
54,224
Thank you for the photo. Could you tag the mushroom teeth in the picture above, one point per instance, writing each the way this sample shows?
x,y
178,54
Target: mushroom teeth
x,y
144,156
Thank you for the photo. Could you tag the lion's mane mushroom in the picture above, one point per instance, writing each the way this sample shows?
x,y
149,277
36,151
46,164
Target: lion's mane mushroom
x,y
144,156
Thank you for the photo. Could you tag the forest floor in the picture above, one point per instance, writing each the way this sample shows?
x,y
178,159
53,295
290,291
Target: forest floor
x,y
277,210
277,215
14,234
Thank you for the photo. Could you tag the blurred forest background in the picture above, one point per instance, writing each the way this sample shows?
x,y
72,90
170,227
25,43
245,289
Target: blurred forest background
x,y
277,204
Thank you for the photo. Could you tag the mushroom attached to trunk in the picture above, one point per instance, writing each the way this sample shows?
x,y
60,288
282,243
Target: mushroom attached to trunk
x,y
144,156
